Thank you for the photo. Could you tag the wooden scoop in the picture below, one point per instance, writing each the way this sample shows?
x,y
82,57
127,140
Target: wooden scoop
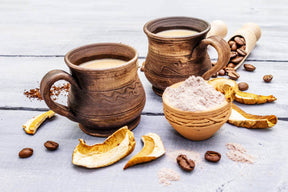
x,y
251,32
219,28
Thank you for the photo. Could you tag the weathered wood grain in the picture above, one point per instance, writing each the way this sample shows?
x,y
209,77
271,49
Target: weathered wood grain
x,y
32,27
54,171
26,73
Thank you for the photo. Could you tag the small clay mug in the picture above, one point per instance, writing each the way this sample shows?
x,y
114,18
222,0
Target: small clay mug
x,y
174,59
101,100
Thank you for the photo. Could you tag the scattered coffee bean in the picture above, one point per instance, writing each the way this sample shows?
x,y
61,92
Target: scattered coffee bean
x,y
268,78
231,65
212,156
51,145
185,163
233,75
233,54
237,59
239,41
243,86
26,152
214,75
221,72
228,69
241,52
249,67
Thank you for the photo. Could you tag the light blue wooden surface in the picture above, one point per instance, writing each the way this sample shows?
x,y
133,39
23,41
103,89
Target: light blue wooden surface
x,y
34,37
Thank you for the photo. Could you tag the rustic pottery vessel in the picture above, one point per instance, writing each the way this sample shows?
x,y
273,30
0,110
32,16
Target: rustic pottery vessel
x,y
101,100
174,59
196,126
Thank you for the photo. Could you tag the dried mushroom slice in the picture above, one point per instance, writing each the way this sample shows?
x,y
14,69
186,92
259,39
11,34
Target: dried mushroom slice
x,y
220,84
31,126
242,119
117,146
153,149
229,93
251,99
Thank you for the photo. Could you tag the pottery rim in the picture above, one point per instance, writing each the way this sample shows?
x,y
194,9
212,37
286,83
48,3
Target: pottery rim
x,y
154,35
78,68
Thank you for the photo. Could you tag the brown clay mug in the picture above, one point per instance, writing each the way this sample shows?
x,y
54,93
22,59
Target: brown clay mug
x,y
101,100
174,59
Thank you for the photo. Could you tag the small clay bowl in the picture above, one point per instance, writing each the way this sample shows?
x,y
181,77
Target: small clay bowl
x,y
196,126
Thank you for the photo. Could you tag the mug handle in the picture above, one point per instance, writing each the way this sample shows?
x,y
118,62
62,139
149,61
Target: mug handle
x,y
222,49
46,83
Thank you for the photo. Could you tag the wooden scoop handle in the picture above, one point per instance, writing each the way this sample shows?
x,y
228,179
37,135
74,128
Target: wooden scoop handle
x,y
218,28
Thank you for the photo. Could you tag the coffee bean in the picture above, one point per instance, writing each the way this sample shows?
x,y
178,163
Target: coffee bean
x,y
243,47
242,38
249,67
238,51
239,41
243,86
212,156
230,43
228,69
231,65
233,54
185,163
221,72
233,75
26,152
234,47
51,145
214,75
268,78
241,52
237,59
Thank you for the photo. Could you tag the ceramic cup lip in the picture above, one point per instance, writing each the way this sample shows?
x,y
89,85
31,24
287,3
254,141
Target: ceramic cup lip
x,y
173,19
89,46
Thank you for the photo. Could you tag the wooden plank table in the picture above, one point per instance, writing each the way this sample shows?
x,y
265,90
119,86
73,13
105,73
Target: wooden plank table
x,y
35,35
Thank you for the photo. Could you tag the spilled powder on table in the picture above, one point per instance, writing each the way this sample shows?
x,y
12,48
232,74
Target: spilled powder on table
x,y
236,147
55,92
238,153
195,94
166,175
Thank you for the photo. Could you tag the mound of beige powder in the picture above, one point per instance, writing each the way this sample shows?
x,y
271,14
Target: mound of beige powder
x,y
195,94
